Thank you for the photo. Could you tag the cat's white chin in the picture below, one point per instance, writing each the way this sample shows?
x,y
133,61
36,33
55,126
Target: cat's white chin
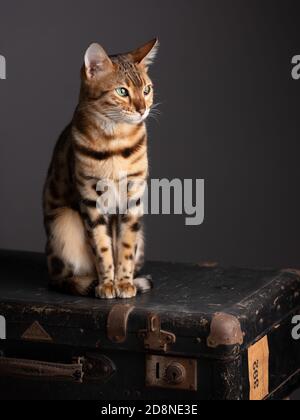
x,y
136,118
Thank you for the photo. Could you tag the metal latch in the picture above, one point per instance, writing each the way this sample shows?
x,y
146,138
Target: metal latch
x,y
173,373
155,339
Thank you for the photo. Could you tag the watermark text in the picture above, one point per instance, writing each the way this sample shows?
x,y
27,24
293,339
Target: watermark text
x,y
2,328
296,67
2,67
296,329
157,197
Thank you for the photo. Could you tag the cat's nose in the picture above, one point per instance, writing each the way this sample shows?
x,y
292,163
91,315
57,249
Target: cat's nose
x,y
142,111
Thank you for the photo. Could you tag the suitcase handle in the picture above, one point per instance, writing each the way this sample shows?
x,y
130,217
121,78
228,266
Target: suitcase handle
x,y
34,369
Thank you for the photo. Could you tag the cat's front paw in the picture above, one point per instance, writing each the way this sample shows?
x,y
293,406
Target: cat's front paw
x,y
106,291
125,290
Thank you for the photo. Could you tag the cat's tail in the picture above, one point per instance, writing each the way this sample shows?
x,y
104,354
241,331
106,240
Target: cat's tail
x,y
76,285
143,284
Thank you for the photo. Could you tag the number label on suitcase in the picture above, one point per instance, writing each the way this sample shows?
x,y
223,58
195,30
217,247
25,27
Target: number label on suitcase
x,y
258,358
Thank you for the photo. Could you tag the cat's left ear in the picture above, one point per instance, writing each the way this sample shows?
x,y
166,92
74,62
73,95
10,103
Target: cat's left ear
x,y
146,54
97,62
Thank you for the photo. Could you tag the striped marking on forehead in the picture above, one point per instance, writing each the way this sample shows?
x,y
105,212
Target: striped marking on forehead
x,y
130,71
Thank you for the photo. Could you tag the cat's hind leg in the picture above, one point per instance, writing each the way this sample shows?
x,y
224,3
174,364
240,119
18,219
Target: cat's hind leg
x,y
69,255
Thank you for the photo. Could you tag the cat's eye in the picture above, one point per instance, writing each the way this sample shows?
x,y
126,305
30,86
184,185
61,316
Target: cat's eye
x,y
147,90
123,92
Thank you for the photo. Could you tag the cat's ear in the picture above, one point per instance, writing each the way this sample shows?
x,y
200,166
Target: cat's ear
x,y
146,54
96,61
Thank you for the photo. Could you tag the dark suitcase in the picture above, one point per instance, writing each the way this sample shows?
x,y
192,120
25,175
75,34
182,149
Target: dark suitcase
x,y
203,333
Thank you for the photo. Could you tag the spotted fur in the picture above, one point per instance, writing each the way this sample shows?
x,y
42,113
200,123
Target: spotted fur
x,y
90,253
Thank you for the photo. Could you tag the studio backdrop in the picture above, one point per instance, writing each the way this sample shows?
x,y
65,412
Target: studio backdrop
x,y
229,115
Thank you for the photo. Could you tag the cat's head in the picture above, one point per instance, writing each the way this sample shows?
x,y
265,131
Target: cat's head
x,y
119,86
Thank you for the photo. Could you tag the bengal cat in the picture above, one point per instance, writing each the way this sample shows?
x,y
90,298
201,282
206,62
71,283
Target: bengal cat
x,y
91,252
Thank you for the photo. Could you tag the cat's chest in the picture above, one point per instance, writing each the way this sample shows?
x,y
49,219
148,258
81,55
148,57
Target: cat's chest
x,y
116,159
112,168
119,164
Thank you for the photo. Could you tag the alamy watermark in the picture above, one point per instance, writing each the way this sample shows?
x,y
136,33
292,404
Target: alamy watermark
x,y
296,67
2,67
2,328
296,329
157,197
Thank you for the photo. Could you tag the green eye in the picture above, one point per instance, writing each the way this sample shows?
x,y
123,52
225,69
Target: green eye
x,y
122,92
147,90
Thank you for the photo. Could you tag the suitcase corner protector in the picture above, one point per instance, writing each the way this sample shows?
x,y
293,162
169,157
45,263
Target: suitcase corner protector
x,y
225,330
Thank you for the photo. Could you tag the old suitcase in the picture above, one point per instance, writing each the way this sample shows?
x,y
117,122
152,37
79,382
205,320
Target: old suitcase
x,y
203,333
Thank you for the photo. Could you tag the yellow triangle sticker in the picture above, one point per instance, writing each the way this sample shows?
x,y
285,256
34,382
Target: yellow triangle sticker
x,y
36,333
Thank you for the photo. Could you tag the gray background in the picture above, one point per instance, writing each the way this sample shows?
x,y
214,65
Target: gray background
x,y
230,115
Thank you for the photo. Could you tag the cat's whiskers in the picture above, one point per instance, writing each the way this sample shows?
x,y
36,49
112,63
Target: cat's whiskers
x,y
155,113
